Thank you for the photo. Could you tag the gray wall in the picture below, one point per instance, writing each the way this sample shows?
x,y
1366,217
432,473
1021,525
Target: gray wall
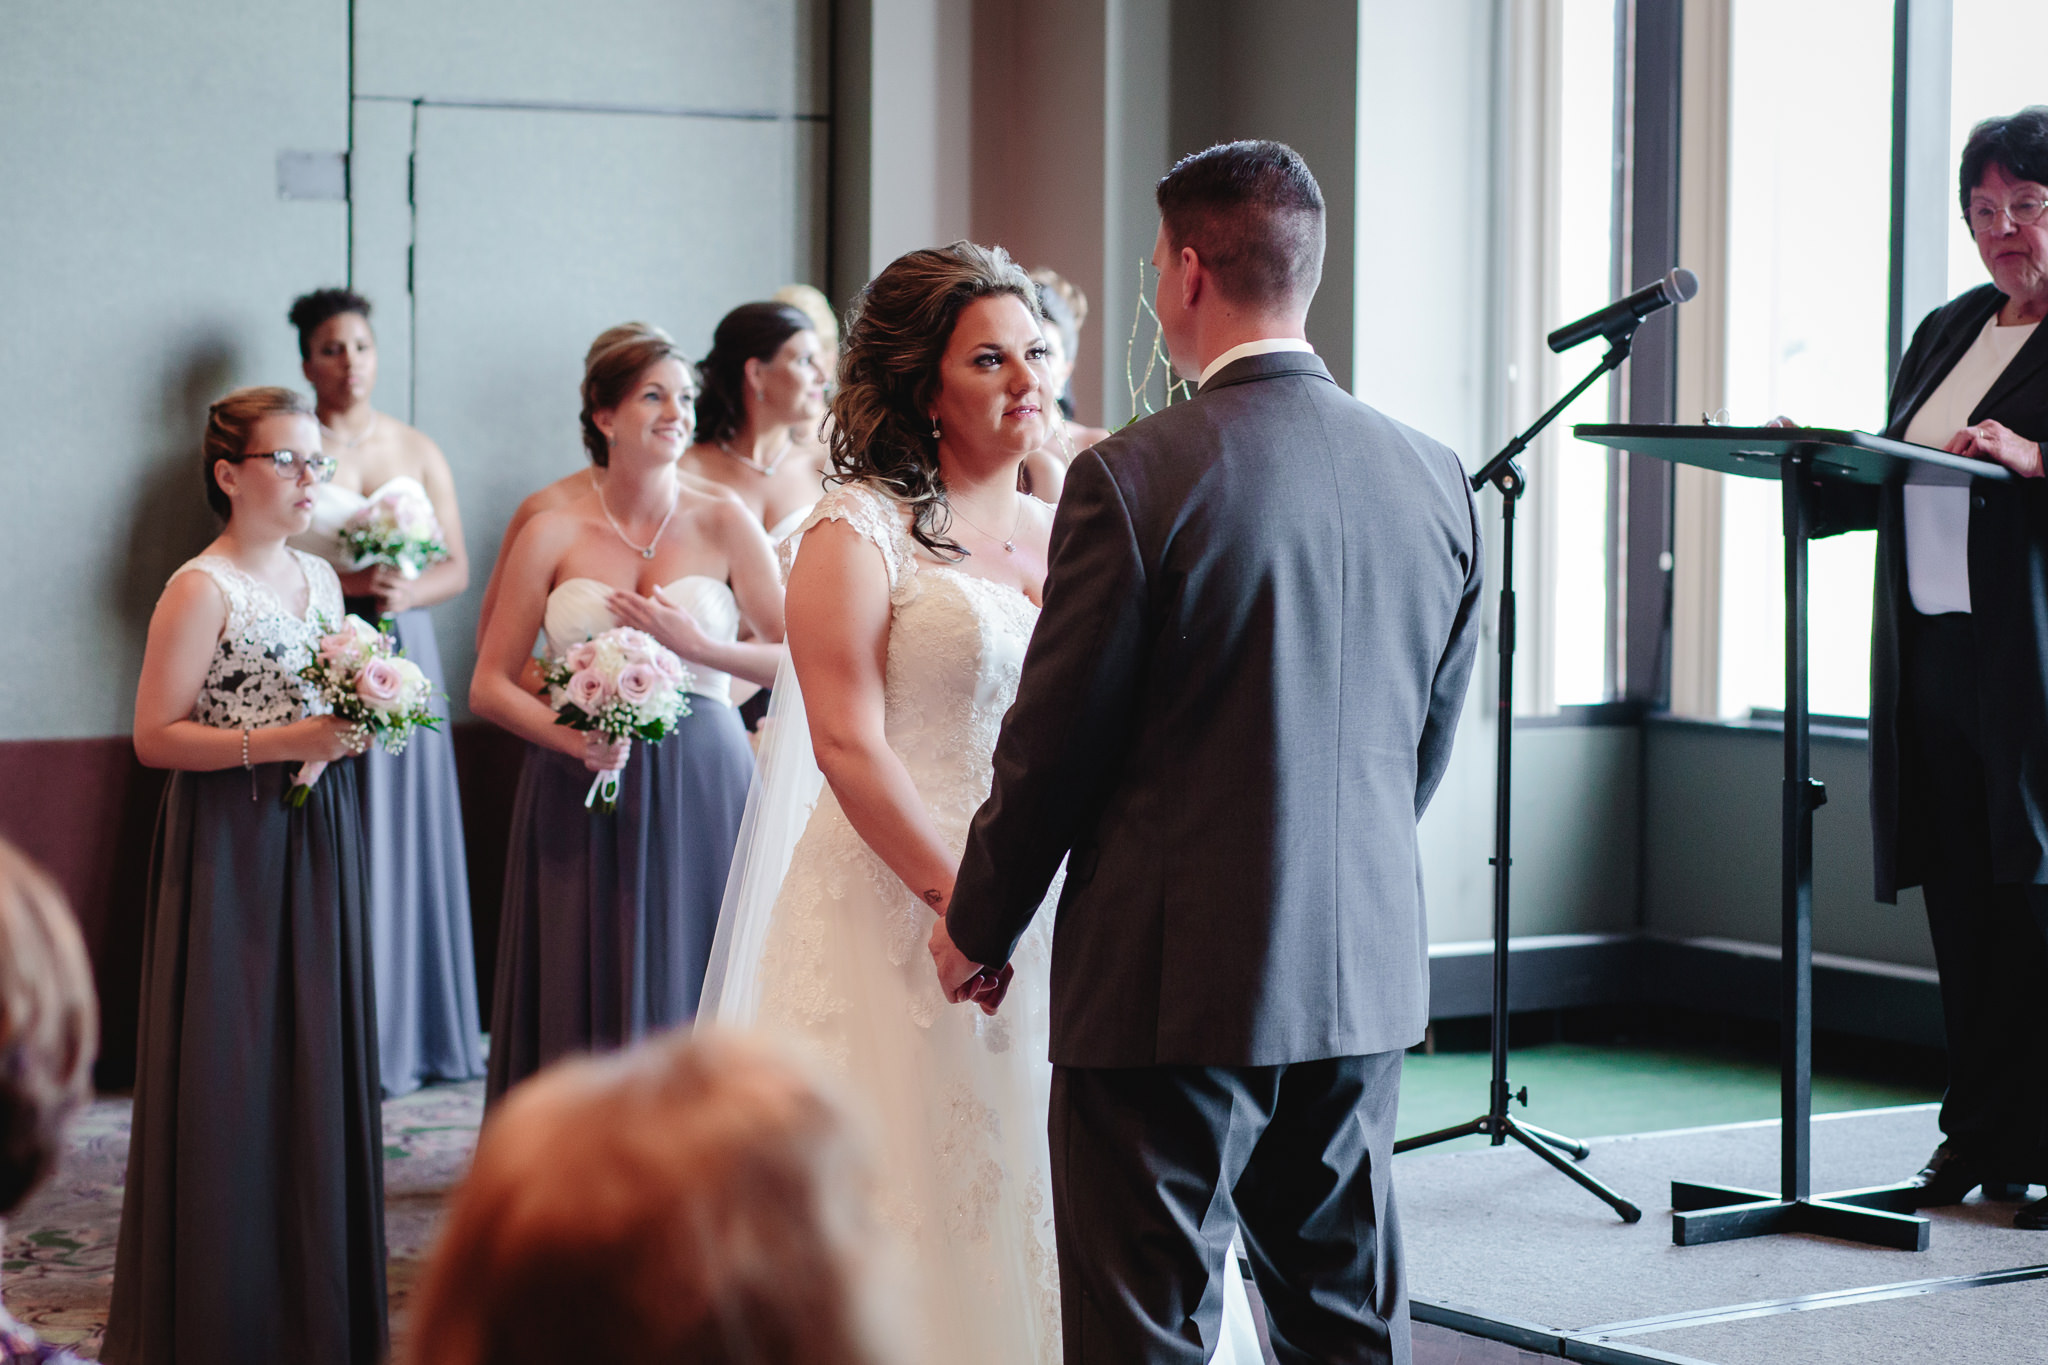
x,y
145,265
1711,844
1285,69
526,172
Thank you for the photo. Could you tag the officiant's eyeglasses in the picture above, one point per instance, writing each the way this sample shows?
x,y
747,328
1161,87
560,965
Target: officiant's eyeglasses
x,y
2023,212
288,463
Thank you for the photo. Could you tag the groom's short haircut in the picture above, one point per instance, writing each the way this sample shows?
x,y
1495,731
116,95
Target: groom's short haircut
x,y
1254,215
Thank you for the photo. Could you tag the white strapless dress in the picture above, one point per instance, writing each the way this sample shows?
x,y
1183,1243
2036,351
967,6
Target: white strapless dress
x,y
332,507
956,1098
576,612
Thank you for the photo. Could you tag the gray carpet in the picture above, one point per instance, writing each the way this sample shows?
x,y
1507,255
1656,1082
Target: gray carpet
x,y
1499,1232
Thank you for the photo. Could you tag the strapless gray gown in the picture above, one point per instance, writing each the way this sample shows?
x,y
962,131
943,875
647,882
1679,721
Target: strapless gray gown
x,y
608,919
420,939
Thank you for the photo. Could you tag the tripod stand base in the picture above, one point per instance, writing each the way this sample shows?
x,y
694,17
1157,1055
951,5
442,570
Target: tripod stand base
x,y
1880,1215
1541,1141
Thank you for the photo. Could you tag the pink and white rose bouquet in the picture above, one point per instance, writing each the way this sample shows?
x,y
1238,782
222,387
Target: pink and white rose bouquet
x,y
623,684
397,527
359,674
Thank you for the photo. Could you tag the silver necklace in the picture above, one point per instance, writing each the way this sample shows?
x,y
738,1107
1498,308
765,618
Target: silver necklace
x,y
645,551
1009,544
788,444
346,444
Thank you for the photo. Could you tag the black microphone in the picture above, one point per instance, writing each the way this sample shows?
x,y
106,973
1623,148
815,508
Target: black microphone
x,y
1623,314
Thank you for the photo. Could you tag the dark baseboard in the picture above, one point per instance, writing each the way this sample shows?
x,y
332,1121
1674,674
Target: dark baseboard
x,y
1876,1000
86,810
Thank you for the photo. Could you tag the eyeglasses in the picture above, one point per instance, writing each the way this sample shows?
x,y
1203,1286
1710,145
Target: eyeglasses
x,y
2023,212
290,463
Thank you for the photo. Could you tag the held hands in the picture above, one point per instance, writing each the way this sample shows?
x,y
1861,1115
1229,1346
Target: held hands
x,y
965,981
663,619
1994,441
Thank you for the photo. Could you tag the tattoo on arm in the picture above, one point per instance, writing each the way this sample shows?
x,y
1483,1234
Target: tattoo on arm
x,y
933,898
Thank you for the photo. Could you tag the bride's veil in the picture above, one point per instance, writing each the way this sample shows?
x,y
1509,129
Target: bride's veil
x,y
785,788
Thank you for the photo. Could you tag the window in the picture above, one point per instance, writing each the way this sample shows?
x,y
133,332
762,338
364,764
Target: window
x,y
1809,249
1579,479
1980,89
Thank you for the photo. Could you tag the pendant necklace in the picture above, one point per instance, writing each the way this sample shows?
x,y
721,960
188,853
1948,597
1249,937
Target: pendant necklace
x,y
346,444
1009,545
788,444
645,551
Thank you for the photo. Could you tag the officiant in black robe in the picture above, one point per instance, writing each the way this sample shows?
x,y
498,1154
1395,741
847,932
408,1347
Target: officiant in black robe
x,y
1959,675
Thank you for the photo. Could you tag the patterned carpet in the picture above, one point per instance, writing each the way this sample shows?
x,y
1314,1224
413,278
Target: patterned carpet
x,y
57,1268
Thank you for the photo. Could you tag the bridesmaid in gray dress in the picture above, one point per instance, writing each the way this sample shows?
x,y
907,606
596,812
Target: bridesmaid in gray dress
x,y
252,1228
427,1028
608,917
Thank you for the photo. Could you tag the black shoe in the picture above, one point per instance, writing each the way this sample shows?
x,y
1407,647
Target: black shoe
x,y
1947,1178
2033,1217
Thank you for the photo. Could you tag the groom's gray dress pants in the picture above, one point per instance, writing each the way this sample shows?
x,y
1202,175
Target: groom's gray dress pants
x,y
1153,1168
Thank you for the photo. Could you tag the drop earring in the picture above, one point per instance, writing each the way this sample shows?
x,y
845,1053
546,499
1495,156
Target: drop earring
x,y
935,427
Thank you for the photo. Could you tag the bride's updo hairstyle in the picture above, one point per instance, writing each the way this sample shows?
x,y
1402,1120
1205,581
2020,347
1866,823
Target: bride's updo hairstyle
x,y
612,366
228,424
889,374
752,331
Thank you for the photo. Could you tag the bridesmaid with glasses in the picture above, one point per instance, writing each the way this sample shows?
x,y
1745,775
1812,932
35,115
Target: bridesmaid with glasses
x,y
252,1228
427,1027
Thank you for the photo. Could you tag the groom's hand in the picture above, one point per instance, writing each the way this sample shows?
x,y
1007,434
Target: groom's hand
x,y
961,978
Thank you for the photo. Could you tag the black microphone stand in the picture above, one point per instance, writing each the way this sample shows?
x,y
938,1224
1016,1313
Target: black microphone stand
x,y
1497,1123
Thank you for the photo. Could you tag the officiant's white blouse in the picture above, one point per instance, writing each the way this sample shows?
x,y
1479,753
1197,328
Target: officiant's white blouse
x,y
1938,519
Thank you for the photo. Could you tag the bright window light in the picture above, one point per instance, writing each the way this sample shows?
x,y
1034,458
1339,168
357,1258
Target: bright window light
x,y
1809,249
1585,264
1980,87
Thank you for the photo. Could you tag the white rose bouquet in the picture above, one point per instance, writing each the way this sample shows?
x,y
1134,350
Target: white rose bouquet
x,y
624,684
361,676
397,527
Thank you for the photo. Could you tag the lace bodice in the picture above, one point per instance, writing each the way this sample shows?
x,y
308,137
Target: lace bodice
x,y
956,649
576,611
253,679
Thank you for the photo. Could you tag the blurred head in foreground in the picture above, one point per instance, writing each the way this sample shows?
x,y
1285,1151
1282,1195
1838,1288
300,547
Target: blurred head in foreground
x,y
698,1198
49,1024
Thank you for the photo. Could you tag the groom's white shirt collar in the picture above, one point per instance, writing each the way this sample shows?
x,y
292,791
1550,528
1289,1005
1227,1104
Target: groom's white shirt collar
x,y
1246,348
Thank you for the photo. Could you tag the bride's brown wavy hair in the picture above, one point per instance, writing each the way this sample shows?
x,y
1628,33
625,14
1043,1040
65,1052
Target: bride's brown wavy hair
x,y
889,374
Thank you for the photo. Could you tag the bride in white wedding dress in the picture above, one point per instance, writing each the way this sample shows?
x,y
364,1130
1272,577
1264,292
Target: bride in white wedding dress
x,y
910,606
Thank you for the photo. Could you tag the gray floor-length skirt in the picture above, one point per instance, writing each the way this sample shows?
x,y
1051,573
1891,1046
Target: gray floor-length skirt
x,y
427,1026
252,1228
608,919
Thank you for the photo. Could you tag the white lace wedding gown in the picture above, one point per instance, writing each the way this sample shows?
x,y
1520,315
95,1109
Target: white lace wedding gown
x,y
837,960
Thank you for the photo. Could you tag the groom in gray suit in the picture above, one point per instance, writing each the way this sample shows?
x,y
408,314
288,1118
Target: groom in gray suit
x,y
1259,623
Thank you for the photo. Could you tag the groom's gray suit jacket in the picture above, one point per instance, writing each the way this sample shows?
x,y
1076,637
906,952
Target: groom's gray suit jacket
x,y
1259,624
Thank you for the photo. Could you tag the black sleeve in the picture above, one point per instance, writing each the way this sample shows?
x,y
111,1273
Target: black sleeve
x,y
1838,507
1453,673
1065,736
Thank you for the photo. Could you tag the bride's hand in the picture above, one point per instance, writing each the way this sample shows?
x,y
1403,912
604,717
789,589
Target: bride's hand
x,y
987,988
663,619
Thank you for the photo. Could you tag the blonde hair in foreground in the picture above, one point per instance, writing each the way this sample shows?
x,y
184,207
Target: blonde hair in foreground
x,y
698,1198
49,1023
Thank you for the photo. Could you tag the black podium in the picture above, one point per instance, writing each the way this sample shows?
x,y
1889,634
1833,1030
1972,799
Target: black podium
x,y
1800,458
